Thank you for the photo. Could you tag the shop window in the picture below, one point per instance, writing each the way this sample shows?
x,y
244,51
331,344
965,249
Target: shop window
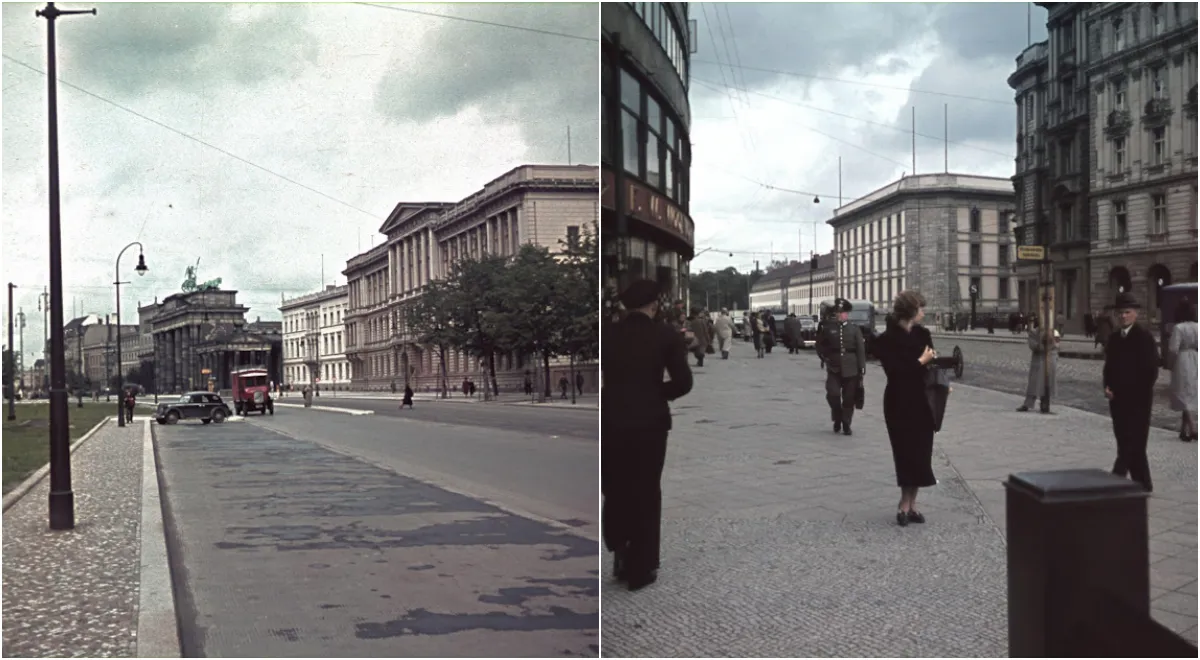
x,y
629,143
976,253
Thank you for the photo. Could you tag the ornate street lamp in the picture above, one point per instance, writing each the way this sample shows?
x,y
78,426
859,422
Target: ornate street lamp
x,y
141,270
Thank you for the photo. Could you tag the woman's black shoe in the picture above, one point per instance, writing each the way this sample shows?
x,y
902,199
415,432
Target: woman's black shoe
x,y
915,516
902,518
639,582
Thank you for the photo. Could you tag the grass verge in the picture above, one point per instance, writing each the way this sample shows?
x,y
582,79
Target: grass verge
x,y
27,438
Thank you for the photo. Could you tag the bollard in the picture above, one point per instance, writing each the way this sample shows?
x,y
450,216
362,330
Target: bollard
x,y
1078,546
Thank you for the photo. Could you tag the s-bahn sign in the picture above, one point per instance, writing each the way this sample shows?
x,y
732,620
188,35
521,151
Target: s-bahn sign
x,y
648,206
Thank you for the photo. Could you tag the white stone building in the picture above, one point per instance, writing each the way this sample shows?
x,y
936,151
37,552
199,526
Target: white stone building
x,y
314,339
940,234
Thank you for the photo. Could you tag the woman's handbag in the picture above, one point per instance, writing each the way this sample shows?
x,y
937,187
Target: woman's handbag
x,y
937,391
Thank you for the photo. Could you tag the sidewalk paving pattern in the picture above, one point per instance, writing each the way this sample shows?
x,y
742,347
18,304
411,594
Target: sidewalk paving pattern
x,y
779,536
289,549
75,593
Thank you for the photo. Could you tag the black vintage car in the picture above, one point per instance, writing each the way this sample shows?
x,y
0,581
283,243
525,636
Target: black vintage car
x,y
204,406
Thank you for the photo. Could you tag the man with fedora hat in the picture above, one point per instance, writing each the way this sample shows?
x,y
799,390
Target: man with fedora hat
x,y
635,421
844,353
1130,371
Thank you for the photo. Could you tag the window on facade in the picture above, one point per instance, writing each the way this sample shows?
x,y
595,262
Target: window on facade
x,y
976,252
1118,33
1157,23
1066,37
1159,204
572,235
1067,93
1159,146
1158,85
1120,94
1003,294
1002,257
629,142
1120,219
1003,222
1066,222
1118,145
1029,103
1066,157
975,223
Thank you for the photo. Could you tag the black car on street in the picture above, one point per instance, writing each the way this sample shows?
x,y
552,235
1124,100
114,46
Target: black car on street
x,y
204,406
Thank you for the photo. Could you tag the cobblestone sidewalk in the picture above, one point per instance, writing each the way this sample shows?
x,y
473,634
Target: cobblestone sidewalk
x,y
779,536
75,593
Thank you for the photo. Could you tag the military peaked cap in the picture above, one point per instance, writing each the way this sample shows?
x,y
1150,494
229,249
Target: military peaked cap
x,y
841,305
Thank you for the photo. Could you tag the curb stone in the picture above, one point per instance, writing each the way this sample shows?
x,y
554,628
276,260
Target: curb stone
x,y
24,487
157,621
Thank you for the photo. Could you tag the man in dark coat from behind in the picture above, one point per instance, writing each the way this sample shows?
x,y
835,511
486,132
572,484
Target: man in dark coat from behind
x,y
1130,371
844,352
791,333
635,421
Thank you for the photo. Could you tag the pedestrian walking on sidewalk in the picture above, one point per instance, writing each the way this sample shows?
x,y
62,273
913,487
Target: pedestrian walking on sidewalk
x,y
699,329
528,384
579,383
130,402
1130,371
1182,352
723,327
1035,386
791,333
564,386
636,419
844,353
408,397
905,350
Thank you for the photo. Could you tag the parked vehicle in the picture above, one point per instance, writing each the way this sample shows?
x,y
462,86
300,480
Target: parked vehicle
x,y
252,391
204,406
808,332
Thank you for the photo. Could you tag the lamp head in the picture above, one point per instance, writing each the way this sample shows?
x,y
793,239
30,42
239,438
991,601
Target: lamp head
x,y
817,199
141,267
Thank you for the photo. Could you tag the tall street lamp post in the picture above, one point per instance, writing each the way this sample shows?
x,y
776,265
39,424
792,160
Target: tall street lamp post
x,y
12,405
141,270
62,499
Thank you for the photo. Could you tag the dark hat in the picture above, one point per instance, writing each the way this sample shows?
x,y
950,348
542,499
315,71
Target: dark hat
x,y
841,305
1125,300
640,293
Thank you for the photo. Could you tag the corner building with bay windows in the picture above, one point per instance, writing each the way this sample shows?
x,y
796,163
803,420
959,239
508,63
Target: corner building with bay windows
x,y
646,230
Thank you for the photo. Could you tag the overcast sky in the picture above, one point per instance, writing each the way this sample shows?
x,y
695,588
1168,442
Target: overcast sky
x,y
850,68
365,105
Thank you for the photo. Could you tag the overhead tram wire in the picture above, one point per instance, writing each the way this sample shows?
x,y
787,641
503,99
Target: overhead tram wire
x,y
736,51
477,21
732,106
866,121
820,132
197,140
795,74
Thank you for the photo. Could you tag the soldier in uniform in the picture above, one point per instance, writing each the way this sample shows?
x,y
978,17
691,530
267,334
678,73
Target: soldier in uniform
x,y
844,353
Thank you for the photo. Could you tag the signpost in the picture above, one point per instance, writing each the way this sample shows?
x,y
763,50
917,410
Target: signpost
x,y
1038,253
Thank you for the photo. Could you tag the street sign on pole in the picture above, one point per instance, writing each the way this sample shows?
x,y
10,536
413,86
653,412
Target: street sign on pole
x,y
1031,253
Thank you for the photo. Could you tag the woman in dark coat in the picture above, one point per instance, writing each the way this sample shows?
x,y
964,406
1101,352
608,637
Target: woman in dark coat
x,y
904,350
408,396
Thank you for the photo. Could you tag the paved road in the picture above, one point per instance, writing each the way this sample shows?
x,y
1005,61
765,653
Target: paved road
x,y
779,538
283,547
1004,367
534,420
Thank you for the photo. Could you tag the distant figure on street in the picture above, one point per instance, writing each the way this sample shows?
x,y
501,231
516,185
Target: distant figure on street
x,y
1035,386
1104,329
791,334
466,388
905,350
723,327
393,385
991,324
528,385
564,386
130,402
844,352
757,330
579,380
769,338
408,397
1130,371
699,329
1182,352
636,419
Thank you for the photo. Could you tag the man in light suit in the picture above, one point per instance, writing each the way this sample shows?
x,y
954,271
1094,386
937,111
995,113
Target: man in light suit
x,y
844,353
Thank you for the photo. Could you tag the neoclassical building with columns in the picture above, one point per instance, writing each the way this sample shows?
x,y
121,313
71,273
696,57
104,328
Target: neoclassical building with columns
x,y
539,204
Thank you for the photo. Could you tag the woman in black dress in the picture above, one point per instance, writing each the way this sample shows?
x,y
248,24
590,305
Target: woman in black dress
x,y
904,350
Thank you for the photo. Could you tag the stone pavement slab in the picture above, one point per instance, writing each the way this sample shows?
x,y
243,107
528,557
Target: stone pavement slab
x,y
779,536
75,593
291,549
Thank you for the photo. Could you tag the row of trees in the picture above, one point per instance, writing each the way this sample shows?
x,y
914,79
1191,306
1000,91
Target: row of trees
x,y
722,288
535,303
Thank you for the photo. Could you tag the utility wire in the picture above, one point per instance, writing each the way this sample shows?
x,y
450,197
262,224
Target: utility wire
x,y
859,82
819,132
196,139
477,21
867,121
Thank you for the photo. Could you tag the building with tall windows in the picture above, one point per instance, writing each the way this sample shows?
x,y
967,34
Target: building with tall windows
x,y
1141,73
946,235
1031,182
646,229
314,339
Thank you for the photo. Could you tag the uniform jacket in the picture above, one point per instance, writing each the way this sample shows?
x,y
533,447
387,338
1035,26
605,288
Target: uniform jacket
x,y
843,348
637,350
1131,364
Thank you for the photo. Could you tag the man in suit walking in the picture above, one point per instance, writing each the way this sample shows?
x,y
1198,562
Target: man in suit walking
x,y
844,353
1130,371
635,421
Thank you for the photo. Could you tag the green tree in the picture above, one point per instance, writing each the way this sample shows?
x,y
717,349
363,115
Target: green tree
x,y
531,321
580,301
477,285
430,319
